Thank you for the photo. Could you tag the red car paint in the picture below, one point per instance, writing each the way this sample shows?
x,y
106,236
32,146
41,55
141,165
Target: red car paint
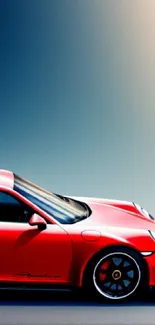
x,y
59,254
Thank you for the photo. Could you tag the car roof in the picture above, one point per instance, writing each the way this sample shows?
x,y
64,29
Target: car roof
x,y
6,178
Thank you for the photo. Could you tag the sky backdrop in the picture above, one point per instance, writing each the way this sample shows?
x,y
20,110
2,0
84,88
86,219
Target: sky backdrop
x,y
77,96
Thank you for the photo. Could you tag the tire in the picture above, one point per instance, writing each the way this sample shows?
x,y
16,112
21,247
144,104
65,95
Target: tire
x,y
115,275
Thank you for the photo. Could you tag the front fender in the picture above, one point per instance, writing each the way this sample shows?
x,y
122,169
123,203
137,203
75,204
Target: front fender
x,y
139,241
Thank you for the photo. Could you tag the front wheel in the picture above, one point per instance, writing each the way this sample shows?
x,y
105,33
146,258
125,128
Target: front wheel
x,y
117,274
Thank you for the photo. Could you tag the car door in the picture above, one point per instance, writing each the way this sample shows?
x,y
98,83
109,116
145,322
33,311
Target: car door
x,y
27,253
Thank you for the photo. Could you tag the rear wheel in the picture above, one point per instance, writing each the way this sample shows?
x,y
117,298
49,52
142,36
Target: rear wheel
x,y
117,274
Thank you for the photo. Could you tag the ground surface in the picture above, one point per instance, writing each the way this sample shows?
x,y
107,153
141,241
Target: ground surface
x,y
67,309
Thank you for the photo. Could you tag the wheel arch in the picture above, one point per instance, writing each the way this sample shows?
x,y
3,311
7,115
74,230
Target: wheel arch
x,y
105,250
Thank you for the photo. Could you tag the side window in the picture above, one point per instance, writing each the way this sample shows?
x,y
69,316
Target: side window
x,y
13,210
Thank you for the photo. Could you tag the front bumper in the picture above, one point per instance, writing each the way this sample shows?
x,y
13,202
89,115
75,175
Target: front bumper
x,y
150,260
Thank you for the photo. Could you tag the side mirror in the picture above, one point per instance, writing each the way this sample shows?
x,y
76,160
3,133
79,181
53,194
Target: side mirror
x,y
37,220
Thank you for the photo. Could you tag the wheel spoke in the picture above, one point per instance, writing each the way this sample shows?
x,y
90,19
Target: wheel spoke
x,y
117,287
110,285
127,277
121,264
112,264
108,277
127,268
107,284
102,271
122,285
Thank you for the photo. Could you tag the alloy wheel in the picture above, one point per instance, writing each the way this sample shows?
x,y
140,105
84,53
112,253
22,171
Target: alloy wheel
x,y
116,275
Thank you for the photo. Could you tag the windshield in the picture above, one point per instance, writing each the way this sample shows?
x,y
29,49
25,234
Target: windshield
x,y
64,210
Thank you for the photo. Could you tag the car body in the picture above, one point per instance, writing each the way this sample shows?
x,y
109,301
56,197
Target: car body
x,y
49,240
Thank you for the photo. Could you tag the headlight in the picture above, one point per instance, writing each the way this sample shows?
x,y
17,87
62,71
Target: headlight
x,y
143,211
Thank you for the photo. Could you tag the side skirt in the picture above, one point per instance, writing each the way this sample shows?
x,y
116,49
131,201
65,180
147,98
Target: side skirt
x,y
35,287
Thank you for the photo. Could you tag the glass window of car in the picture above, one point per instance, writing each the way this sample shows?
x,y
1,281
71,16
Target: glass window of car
x,y
64,210
13,210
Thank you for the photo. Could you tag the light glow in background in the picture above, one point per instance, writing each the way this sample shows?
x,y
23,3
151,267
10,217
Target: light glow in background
x,y
77,80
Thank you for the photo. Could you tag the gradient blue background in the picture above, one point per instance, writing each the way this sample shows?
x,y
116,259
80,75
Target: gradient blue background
x,y
77,96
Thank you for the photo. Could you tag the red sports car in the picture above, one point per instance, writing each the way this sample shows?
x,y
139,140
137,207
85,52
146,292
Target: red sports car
x,y
49,240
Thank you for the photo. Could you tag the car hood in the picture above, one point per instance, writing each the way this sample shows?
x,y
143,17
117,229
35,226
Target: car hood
x,y
115,213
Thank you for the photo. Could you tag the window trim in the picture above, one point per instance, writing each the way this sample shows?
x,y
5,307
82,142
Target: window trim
x,y
36,209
